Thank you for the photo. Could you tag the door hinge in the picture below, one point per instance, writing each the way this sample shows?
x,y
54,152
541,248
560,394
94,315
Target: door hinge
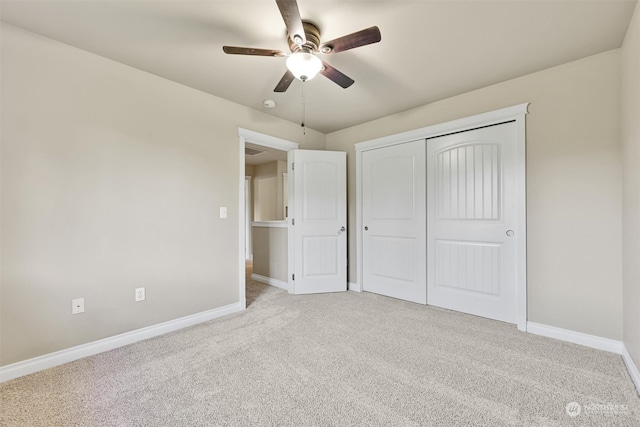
x,y
293,277
293,166
293,221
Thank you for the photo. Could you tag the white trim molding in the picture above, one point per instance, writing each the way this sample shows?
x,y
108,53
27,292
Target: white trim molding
x,y
266,141
270,281
61,357
631,367
586,340
242,229
592,341
459,125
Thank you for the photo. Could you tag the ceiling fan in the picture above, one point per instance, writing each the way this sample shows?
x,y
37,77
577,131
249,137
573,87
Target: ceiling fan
x,y
304,43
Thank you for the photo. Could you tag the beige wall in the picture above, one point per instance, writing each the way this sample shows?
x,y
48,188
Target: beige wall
x,y
268,191
573,185
265,187
631,186
270,252
111,180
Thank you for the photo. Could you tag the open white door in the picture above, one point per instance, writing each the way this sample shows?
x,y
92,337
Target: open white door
x,y
318,220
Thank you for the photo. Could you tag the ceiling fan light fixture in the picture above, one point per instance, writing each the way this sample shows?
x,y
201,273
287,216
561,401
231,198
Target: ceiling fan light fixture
x,y
303,38
304,65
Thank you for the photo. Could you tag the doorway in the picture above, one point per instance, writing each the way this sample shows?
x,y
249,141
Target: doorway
x,y
265,214
257,150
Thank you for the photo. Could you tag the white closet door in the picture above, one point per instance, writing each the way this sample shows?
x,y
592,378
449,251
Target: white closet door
x,y
471,240
394,219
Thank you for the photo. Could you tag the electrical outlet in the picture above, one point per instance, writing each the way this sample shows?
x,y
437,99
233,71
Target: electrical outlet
x,y
77,306
139,294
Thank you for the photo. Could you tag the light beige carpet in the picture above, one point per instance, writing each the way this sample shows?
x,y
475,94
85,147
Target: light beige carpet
x,y
342,359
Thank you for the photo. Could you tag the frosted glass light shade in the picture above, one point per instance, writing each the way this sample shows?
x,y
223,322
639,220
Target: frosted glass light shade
x,y
304,66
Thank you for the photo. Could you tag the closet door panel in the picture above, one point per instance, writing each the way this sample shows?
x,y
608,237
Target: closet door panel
x,y
394,221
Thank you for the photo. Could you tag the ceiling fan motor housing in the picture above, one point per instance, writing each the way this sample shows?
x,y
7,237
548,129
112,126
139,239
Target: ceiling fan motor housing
x,y
312,33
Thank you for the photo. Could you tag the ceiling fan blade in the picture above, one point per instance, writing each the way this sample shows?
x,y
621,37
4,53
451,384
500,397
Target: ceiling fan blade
x,y
336,76
357,39
284,82
234,50
291,16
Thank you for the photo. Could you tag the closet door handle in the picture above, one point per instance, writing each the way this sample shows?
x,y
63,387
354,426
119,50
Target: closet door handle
x,y
366,228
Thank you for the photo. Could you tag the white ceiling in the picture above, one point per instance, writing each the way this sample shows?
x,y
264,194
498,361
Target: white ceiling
x,y
430,50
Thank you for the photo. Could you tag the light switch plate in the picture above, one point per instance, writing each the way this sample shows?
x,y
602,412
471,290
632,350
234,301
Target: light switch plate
x,y
223,212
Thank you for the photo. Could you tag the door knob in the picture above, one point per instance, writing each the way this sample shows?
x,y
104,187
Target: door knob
x,y
510,233
342,229
366,228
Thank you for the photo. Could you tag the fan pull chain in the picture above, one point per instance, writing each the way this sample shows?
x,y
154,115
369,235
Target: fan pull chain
x,y
304,113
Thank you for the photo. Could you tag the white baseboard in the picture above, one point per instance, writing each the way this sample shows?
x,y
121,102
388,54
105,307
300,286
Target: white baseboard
x,y
631,367
270,281
61,357
592,341
353,287
586,340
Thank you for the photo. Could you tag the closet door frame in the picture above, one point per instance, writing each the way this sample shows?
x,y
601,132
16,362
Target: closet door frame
x,y
515,113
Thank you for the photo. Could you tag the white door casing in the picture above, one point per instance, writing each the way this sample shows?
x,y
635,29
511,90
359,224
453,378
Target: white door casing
x,y
317,221
248,215
393,219
471,222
